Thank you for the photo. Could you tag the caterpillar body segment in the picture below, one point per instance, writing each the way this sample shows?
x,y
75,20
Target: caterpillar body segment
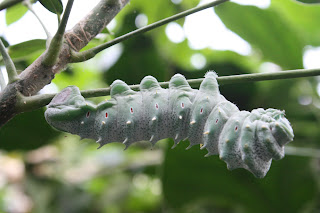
x,y
243,139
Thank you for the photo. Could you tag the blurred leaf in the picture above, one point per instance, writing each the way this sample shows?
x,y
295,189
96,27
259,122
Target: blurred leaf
x,y
309,1
266,30
27,131
54,6
27,48
188,177
305,28
15,12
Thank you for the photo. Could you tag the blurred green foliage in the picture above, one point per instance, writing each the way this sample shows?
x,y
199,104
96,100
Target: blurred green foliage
x,y
15,12
75,177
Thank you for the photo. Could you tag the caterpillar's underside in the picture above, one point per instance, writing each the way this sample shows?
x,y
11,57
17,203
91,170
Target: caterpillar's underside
x,y
242,139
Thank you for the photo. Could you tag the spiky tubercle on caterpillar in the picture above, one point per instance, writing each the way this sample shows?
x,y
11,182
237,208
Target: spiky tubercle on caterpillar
x,y
242,139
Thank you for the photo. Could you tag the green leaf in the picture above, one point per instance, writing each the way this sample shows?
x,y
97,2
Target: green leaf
x,y
15,12
266,30
309,1
54,6
25,49
308,30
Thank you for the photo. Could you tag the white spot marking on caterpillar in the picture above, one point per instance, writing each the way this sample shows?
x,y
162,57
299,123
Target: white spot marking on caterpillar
x,y
82,122
206,133
176,136
128,122
264,127
152,136
180,117
227,141
189,147
247,126
125,141
193,122
103,123
99,140
154,118
174,145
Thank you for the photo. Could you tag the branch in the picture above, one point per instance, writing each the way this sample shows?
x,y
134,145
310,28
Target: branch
x,y
8,3
88,54
11,69
37,101
51,56
84,31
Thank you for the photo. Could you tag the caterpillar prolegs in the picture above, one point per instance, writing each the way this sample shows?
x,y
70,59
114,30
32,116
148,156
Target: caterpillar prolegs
x,y
242,139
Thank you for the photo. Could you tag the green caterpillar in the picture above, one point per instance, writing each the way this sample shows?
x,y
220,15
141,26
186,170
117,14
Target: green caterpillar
x,y
242,139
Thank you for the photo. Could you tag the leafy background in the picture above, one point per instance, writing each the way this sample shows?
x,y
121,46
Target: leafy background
x,y
43,170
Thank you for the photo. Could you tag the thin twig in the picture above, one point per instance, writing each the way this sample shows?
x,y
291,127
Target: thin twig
x,y
29,6
11,69
37,101
303,152
52,54
86,55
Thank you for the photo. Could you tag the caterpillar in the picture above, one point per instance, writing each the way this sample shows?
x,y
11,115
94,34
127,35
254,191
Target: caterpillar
x,y
242,139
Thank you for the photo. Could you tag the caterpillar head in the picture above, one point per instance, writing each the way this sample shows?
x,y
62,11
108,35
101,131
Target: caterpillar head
x,y
68,111
280,127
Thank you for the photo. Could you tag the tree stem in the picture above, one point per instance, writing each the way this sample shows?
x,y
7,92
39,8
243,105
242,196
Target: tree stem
x,y
11,69
86,55
51,56
37,101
